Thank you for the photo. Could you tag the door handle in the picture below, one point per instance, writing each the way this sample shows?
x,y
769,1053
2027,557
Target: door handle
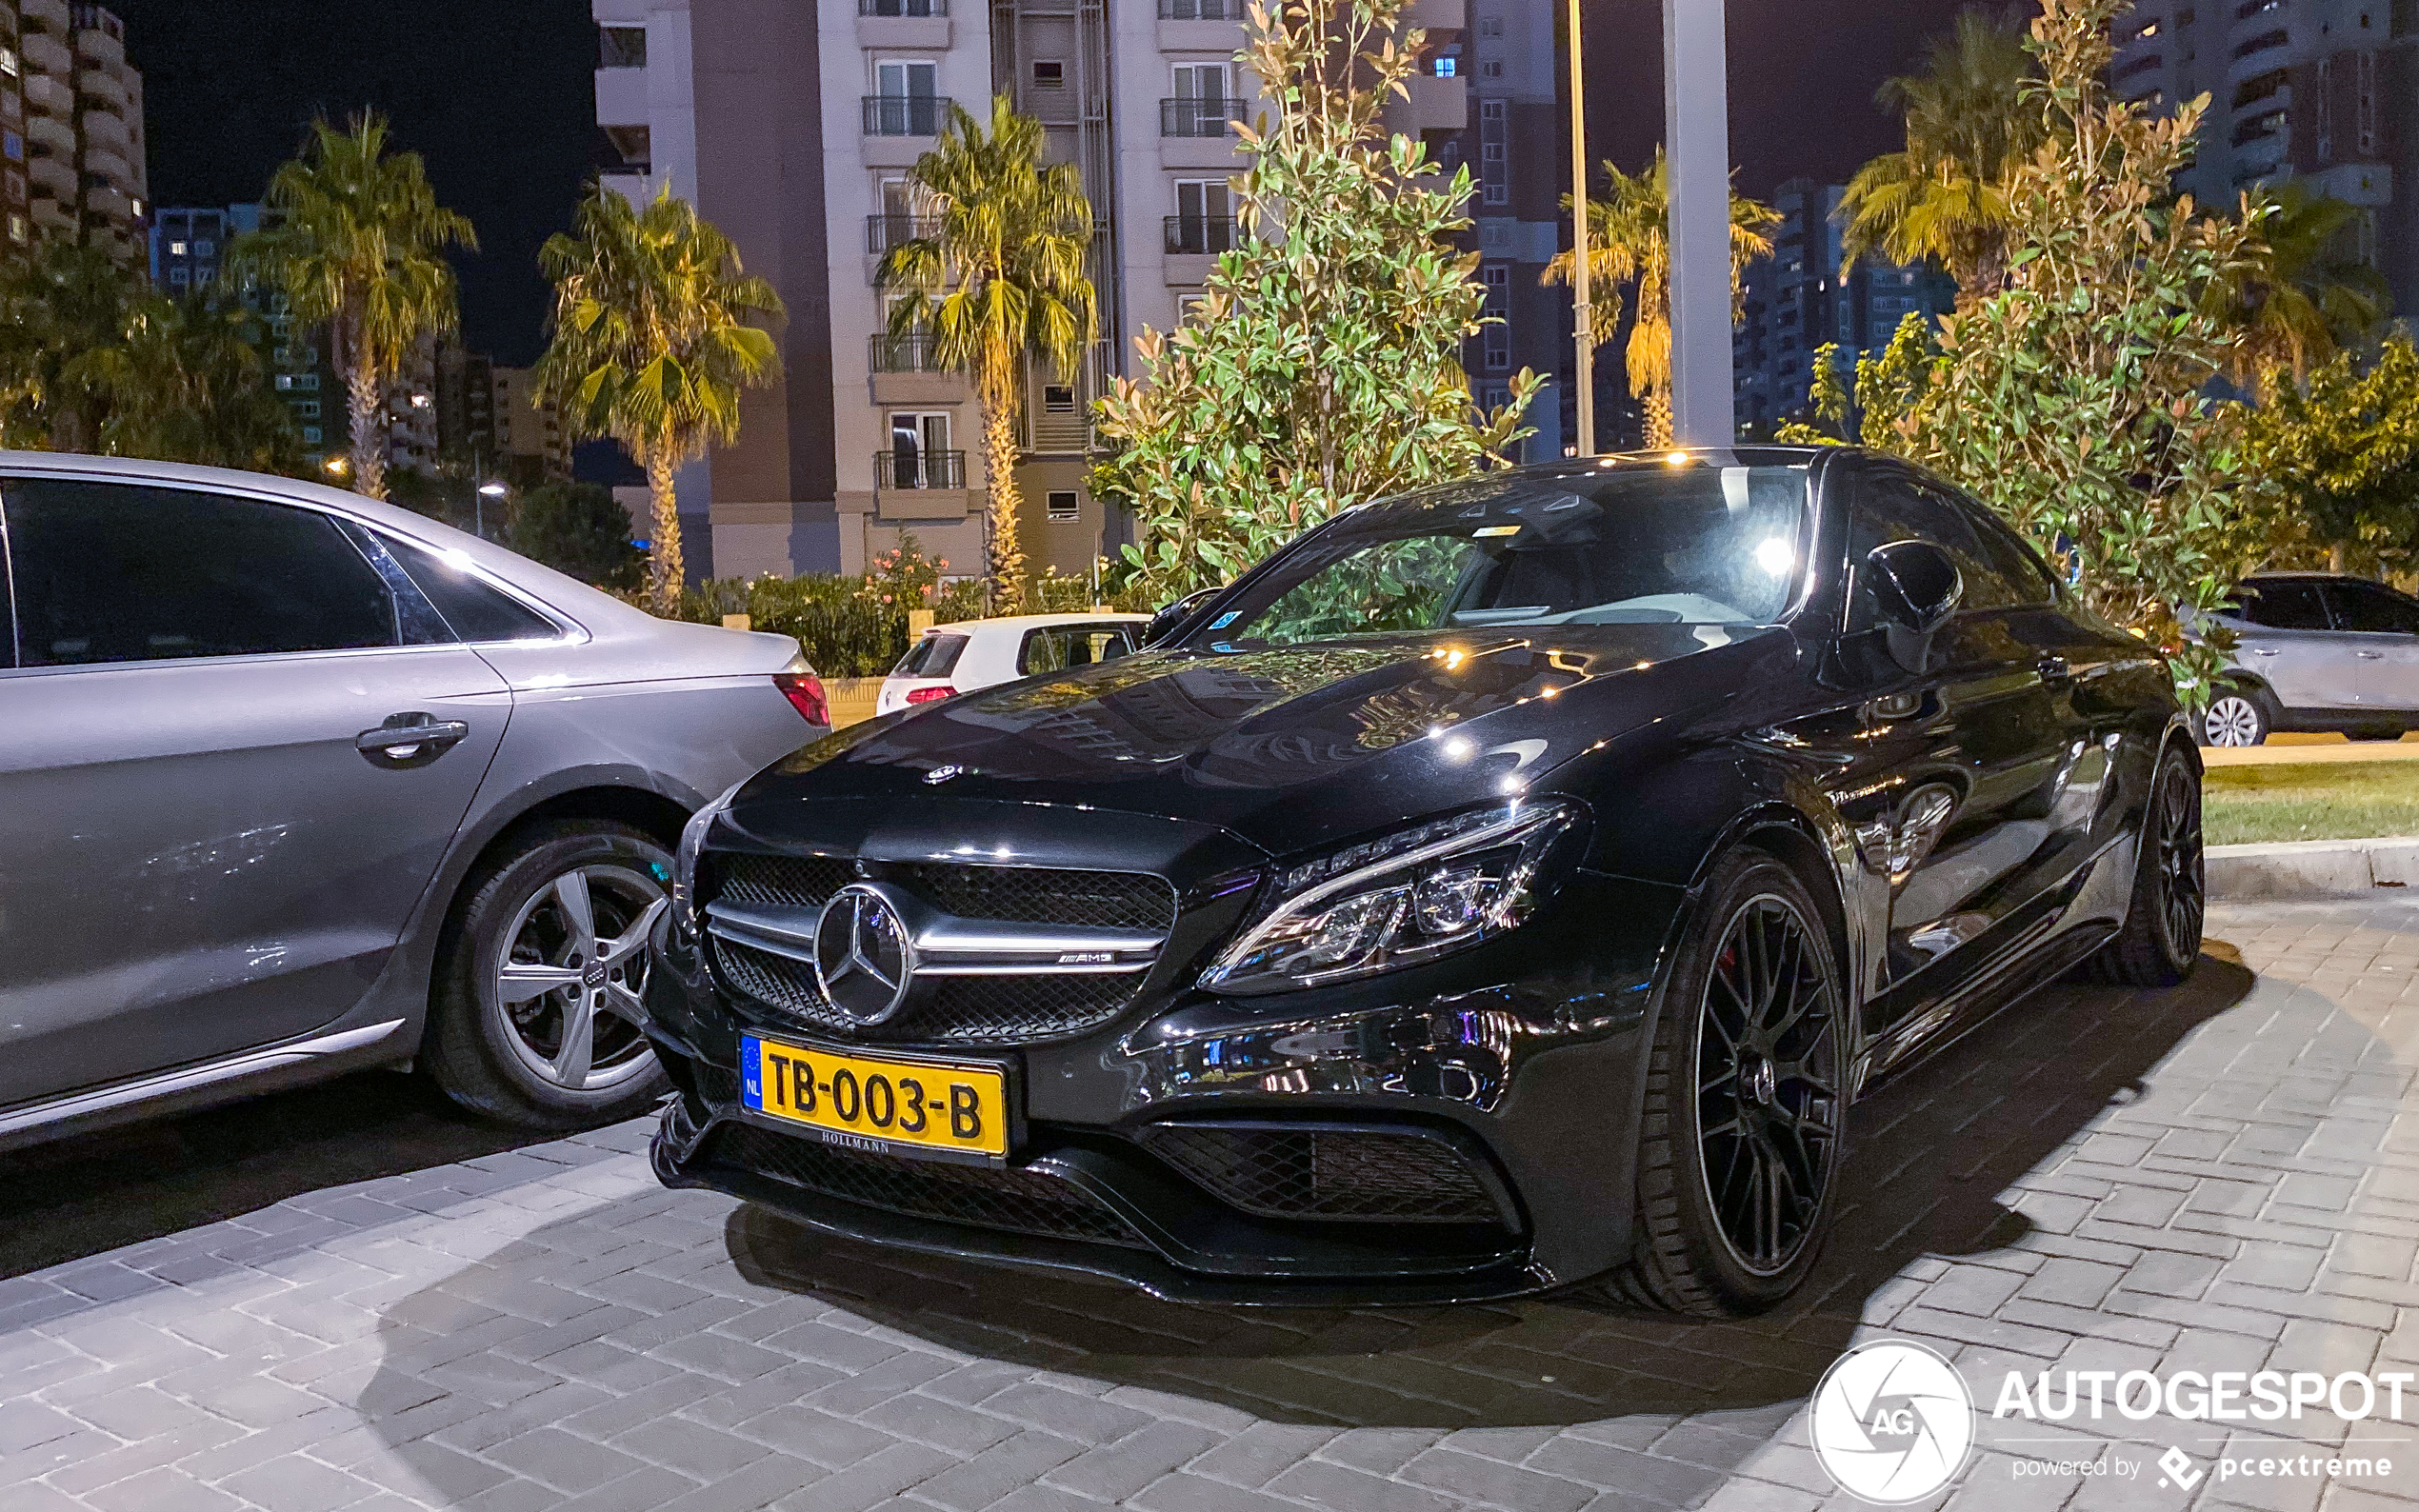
x,y
410,740
2054,670
2266,650
2370,656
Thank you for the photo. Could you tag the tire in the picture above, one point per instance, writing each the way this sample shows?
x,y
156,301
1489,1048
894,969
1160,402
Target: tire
x,y
2162,935
2238,716
507,1058
1705,1244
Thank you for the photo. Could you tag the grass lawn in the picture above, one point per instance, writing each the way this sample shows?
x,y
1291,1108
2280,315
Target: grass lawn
x,y
2316,801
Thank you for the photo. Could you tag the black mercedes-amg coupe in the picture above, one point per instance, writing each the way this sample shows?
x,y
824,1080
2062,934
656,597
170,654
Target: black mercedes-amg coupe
x,y
1504,887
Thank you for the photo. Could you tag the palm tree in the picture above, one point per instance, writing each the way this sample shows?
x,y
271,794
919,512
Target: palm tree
x,y
1945,198
652,345
355,237
62,311
2304,299
1630,242
187,383
1001,277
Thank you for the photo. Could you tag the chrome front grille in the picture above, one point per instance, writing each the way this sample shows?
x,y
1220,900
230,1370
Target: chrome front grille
x,y
1030,974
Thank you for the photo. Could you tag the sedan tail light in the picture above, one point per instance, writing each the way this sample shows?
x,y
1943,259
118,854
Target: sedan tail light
x,y
930,695
804,692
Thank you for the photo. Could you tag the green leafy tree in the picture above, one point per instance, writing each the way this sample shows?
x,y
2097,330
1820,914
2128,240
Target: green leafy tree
x,y
652,343
1322,367
1630,244
2302,297
578,529
1876,392
2075,398
92,360
2342,450
1002,279
1973,115
355,237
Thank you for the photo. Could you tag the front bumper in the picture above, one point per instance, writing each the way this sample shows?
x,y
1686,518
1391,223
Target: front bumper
x,y
1512,1072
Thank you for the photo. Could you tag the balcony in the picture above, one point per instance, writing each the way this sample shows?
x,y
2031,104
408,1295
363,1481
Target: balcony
x,y
882,232
1197,117
918,470
110,165
917,9
1204,235
47,16
46,95
46,53
106,131
1202,10
54,177
905,114
916,353
102,87
51,133
2261,43
97,46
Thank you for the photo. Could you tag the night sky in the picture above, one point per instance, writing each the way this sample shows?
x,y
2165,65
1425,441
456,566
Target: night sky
x,y
496,95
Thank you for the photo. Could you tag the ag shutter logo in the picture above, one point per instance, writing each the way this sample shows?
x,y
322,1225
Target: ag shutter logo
x,y
1893,1422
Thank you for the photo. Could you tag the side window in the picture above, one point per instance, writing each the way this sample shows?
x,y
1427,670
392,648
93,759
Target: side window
x,y
2281,605
120,572
1890,506
2010,560
2377,610
1045,651
476,611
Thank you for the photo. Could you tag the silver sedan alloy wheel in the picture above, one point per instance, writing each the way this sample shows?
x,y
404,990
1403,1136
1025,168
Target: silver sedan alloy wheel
x,y
570,977
2232,720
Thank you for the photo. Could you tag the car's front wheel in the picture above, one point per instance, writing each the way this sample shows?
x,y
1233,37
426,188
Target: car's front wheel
x,y
2236,717
536,1015
1744,1116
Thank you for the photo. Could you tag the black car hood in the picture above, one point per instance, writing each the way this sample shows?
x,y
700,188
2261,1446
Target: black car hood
x,y
1288,748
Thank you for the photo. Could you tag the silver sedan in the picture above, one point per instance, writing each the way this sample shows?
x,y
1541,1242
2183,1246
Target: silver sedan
x,y
293,783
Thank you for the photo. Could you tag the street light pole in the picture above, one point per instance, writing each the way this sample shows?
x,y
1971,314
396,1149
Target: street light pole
x,y
1697,120
1583,308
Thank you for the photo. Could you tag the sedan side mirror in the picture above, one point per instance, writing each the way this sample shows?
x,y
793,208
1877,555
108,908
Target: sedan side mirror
x,y
1916,591
1171,619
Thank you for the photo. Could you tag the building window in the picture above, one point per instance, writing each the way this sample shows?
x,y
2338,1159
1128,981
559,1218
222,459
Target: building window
x,y
1204,222
1058,399
1494,127
1492,69
621,47
308,408
1445,64
180,275
16,228
1491,25
12,146
920,455
1050,73
311,435
1065,506
2366,104
2326,131
8,62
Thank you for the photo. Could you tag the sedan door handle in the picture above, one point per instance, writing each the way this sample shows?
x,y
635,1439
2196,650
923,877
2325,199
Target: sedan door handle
x,y
2265,650
2370,656
410,740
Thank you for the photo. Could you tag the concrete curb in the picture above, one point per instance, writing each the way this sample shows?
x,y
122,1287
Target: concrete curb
x,y
2312,869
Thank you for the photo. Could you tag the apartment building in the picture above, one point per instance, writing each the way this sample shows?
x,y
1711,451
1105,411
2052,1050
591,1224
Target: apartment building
x,y
2325,90
794,127
71,156
1797,301
531,445
188,248
1505,55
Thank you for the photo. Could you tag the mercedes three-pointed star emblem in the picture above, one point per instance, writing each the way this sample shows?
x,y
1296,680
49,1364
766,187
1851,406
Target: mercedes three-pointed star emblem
x,y
944,773
864,961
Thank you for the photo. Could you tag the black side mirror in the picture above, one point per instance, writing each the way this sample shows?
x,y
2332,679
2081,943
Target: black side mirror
x,y
1916,591
1171,619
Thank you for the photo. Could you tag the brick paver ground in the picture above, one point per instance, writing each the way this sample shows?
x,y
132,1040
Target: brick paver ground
x,y
2221,1177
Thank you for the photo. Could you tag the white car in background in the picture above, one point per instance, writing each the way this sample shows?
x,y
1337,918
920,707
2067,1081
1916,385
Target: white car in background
x,y
947,660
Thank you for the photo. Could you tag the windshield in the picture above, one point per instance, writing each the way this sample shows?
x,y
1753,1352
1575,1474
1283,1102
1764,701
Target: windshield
x,y
1640,545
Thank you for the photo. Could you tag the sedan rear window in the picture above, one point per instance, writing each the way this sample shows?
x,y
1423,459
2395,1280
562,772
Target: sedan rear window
x,y
932,656
1640,545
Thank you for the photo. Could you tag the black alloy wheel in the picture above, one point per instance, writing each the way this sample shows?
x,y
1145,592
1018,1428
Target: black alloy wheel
x,y
2162,935
1768,1085
1741,1131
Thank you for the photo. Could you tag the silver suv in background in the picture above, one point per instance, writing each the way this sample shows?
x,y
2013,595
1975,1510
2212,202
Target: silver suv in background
x,y
293,783
2316,652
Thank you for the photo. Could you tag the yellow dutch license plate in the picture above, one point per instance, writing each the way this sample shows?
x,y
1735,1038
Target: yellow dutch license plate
x,y
928,1104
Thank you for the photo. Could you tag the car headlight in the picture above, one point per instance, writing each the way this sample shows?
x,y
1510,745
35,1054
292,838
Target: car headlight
x,y
1411,896
693,839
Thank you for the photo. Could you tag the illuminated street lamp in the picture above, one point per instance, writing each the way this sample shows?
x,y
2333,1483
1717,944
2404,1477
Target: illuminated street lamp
x,y
487,491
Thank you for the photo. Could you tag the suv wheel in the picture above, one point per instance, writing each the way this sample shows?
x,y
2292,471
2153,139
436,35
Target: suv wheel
x,y
2162,934
1740,1140
537,1015
2236,717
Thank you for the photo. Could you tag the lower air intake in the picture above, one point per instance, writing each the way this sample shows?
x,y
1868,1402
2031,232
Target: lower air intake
x,y
1367,1175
